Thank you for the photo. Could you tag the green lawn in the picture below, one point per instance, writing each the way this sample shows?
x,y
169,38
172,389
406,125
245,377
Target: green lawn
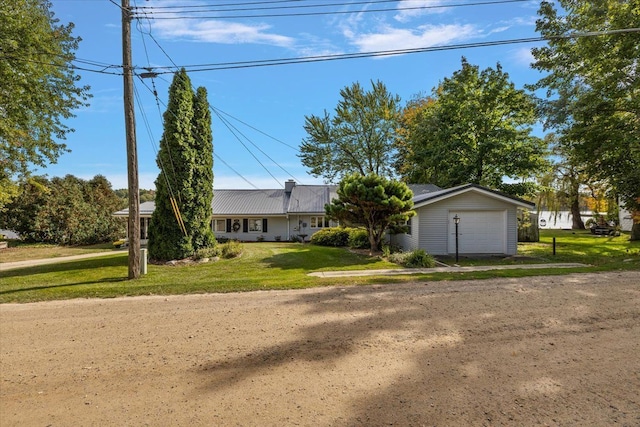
x,y
265,266
18,251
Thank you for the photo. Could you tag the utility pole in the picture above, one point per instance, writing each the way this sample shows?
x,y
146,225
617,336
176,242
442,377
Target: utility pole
x,y
132,151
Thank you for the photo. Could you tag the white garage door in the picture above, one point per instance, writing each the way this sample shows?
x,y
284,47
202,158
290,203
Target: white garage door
x,y
479,232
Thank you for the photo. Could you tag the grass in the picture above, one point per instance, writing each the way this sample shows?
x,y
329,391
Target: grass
x,y
267,266
19,251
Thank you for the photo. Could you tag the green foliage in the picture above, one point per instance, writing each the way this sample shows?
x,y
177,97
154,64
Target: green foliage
x,y
231,249
199,214
67,211
145,195
475,128
185,160
286,266
359,238
39,89
209,252
593,87
372,201
334,236
414,259
358,139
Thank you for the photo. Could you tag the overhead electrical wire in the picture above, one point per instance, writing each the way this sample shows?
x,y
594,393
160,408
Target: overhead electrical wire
x,y
234,131
149,14
197,6
382,53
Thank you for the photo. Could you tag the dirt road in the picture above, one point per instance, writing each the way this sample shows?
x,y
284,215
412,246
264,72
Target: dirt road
x,y
562,350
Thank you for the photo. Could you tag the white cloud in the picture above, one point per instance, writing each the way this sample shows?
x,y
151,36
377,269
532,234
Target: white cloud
x,y
423,36
212,31
409,9
523,56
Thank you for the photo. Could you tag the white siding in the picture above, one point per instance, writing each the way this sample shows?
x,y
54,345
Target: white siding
x,y
434,221
408,242
276,226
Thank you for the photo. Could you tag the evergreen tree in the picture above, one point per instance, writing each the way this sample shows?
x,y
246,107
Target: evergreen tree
x,y
200,214
373,201
181,221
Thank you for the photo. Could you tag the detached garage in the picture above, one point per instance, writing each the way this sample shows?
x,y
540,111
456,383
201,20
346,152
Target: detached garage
x,y
487,222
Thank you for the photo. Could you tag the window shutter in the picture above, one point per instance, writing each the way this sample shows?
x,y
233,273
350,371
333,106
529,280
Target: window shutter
x,y
264,225
245,225
228,225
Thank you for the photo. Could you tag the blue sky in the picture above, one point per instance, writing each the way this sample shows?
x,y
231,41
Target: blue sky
x,y
266,106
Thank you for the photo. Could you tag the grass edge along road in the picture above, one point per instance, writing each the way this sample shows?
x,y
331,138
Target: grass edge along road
x,y
265,266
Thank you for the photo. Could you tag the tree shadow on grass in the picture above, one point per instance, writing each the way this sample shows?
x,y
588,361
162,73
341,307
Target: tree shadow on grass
x,y
318,258
64,285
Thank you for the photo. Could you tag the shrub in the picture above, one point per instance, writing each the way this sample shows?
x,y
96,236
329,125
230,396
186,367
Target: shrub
x,y
388,250
415,259
359,238
210,252
335,236
231,249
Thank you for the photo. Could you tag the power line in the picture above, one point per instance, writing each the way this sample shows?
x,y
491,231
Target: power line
x,y
381,53
334,12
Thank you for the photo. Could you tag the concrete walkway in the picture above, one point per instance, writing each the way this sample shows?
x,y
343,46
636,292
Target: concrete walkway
x,y
33,262
399,271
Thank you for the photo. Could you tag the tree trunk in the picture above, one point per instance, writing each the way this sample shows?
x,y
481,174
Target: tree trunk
x,y
577,223
635,231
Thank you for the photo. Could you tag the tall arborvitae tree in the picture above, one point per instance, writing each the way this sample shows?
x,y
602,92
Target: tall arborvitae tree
x,y
200,213
181,221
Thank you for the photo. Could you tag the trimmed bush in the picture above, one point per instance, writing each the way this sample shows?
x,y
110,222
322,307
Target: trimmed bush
x,y
359,238
335,236
415,259
231,249
210,252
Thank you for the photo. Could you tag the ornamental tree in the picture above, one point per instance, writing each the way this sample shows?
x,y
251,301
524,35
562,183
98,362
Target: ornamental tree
x,y
373,201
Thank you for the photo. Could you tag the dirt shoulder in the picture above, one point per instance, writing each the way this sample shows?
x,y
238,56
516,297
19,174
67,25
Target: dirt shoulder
x,y
559,350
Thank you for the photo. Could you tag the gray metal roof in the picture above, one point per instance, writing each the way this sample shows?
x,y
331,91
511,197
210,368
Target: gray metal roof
x,y
311,198
435,195
249,202
146,208
306,199
419,189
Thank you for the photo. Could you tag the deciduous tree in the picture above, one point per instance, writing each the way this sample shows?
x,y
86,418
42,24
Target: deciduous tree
x,y
373,201
476,127
39,85
67,211
357,139
593,87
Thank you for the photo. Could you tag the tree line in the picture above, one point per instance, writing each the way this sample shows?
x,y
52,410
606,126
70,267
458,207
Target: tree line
x,y
66,211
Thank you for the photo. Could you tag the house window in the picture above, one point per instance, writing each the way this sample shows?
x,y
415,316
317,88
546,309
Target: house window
x,y
408,224
255,224
319,222
220,225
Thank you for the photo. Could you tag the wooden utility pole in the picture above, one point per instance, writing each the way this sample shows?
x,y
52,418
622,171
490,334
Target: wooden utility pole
x,y
132,150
